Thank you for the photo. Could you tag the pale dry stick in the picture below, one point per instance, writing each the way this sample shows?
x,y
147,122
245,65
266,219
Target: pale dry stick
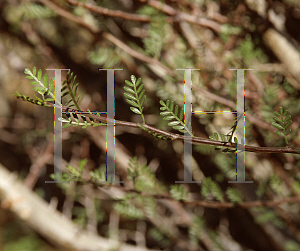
x,y
280,45
51,224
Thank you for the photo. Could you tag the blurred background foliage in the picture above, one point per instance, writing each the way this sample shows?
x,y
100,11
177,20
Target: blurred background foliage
x,y
151,39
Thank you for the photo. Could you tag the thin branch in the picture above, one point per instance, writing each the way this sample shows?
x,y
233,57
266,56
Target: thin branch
x,y
174,136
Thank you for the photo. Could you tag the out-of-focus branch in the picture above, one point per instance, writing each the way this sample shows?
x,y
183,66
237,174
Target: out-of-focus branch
x,y
108,36
284,51
50,223
175,15
182,16
208,204
111,13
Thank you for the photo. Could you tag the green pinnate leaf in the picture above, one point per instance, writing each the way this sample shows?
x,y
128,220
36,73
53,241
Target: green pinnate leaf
x,y
179,128
140,88
168,117
165,113
141,94
38,89
45,80
278,120
181,114
287,118
51,85
173,123
176,110
33,71
285,113
143,100
223,137
281,110
277,125
133,79
216,136
27,71
287,124
138,82
29,77
168,103
172,106
129,83
129,96
138,95
132,102
277,114
135,110
39,75
163,108
178,192
38,98
128,89
279,133
66,125
234,195
76,86
162,103
288,132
